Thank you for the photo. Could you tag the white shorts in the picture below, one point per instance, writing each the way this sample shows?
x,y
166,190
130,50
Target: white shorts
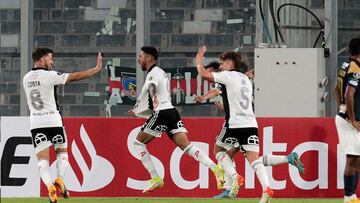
x,y
349,137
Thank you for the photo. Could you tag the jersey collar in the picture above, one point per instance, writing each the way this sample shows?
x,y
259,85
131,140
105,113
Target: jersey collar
x,y
151,67
39,68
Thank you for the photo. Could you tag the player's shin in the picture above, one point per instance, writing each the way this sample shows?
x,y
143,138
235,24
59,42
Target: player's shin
x,y
199,155
62,163
271,160
225,161
260,171
44,171
145,158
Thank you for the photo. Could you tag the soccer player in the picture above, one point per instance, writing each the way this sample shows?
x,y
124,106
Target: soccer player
x,y
155,96
215,91
241,126
268,160
347,120
45,120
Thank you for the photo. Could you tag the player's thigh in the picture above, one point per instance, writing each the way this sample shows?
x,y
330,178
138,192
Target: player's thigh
x,y
181,140
43,154
251,156
144,137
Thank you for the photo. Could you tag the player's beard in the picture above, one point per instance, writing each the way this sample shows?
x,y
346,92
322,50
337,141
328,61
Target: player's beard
x,y
48,66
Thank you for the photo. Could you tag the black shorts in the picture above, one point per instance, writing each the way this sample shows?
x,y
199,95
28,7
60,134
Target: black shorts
x,y
246,139
168,120
43,138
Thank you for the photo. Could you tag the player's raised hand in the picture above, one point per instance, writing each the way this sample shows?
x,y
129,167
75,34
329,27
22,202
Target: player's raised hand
x,y
99,61
199,60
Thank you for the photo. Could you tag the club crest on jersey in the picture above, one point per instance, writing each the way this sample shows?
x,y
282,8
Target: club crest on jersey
x,y
356,75
150,78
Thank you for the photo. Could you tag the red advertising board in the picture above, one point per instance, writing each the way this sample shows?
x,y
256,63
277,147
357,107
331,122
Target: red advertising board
x,y
103,162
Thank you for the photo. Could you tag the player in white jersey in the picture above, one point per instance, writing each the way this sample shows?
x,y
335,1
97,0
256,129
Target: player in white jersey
x,y
45,120
241,130
268,160
155,97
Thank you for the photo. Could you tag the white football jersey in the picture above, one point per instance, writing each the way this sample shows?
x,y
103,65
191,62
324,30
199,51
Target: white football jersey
x,y
237,99
39,85
158,77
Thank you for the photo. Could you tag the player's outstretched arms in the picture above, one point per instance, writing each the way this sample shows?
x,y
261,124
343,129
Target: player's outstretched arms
x,y
209,95
86,73
199,60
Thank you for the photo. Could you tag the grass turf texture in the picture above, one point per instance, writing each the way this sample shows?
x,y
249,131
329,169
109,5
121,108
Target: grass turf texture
x,y
166,200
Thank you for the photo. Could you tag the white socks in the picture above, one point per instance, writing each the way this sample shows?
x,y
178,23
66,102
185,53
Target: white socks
x,y
271,160
229,167
145,158
198,155
44,171
62,163
260,171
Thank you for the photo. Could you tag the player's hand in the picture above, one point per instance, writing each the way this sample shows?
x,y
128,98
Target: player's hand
x,y
131,113
99,61
198,99
250,74
199,60
356,125
219,106
155,102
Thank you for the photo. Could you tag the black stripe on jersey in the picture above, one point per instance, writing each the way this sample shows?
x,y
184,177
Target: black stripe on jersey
x,y
151,105
226,104
56,98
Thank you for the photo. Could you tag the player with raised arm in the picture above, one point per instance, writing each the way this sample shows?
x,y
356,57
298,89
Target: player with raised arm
x,y
155,97
45,120
268,160
241,130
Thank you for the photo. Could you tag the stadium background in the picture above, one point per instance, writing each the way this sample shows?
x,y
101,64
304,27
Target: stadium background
x,y
77,29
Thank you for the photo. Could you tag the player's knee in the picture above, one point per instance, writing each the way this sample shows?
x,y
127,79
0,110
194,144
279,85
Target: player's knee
x,y
63,156
220,154
43,163
139,146
255,164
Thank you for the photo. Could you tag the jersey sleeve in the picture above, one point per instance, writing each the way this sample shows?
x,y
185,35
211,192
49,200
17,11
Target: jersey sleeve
x,y
222,77
354,78
58,78
153,78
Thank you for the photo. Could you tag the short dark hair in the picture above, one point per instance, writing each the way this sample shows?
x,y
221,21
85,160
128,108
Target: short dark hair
x,y
151,51
40,52
214,64
354,46
234,56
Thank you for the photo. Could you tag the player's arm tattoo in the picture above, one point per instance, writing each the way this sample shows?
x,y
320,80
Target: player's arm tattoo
x,y
152,90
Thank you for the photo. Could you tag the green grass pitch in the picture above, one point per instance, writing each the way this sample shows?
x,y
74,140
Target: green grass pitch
x,y
165,200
